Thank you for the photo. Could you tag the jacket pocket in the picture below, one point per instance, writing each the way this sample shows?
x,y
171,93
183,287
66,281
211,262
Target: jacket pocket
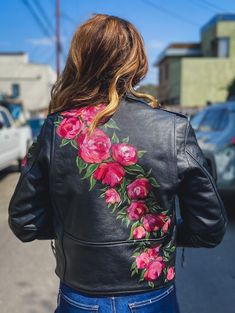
x,y
155,302
69,305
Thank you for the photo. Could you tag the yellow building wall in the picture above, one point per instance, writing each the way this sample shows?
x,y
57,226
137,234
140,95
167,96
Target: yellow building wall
x,y
206,39
227,29
175,78
204,79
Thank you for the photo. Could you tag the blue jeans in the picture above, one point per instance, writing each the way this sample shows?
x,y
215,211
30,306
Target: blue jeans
x,y
156,301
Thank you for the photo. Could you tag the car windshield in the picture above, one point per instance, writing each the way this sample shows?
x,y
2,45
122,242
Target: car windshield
x,y
37,123
196,119
211,120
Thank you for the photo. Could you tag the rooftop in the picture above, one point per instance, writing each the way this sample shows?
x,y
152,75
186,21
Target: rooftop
x,y
226,17
13,53
180,49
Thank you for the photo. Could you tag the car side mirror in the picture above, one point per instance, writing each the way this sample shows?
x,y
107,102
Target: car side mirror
x,y
1,125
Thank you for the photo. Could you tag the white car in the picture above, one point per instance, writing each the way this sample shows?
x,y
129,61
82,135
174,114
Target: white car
x,y
14,141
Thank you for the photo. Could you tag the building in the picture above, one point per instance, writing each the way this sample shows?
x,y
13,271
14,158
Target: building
x,y
26,82
191,74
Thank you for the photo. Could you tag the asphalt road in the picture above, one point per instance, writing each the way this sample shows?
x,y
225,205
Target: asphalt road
x,y
28,283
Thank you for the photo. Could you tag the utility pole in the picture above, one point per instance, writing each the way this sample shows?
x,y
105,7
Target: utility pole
x,y
58,41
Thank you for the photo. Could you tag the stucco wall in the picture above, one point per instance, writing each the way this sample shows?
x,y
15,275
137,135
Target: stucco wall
x,y
35,81
204,79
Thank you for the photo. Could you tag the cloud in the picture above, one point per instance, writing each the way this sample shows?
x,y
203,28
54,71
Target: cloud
x,y
44,41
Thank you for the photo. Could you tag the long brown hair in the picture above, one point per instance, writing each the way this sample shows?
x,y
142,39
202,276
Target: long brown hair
x,y
106,59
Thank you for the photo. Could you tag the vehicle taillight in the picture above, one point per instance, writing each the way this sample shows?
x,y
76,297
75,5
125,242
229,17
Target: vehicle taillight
x,y
233,140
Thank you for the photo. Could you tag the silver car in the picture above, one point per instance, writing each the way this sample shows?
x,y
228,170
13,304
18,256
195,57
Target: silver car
x,y
215,131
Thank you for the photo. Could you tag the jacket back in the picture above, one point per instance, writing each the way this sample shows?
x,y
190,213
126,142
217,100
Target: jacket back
x,y
108,199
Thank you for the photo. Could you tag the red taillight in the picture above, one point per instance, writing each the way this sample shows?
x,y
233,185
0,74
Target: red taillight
x,y
233,141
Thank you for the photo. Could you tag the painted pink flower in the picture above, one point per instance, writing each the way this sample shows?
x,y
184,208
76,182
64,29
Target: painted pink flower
x,y
166,226
142,260
139,232
154,269
139,188
71,112
112,196
110,173
69,127
94,148
153,252
170,273
152,222
24,161
89,113
124,153
136,210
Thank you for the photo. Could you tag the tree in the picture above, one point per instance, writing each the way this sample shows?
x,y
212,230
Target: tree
x,y
149,88
231,90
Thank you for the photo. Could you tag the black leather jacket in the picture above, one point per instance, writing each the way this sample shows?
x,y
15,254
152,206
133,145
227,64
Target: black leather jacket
x,y
109,200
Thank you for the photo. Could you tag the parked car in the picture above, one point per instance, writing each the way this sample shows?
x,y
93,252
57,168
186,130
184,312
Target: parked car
x,y
14,141
215,131
35,125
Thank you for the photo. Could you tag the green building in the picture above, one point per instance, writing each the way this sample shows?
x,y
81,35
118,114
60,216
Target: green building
x,y
191,74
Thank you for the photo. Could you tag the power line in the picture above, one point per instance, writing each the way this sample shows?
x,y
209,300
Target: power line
x,y
44,15
37,18
171,13
212,5
203,6
68,18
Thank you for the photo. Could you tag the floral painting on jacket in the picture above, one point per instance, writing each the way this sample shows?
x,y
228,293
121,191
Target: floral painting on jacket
x,y
127,188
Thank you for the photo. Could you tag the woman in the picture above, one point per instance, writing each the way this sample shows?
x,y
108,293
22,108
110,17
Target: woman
x,y
103,176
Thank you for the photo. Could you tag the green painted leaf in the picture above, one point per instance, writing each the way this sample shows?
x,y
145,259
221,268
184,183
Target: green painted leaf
x,y
111,124
115,138
148,173
133,265
153,182
142,274
136,254
64,142
80,164
90,170
133,273
119,217
128,223
151,284
134,168
125,139
134,225
92,182
147,235
102,195
141,153
114,208
74,143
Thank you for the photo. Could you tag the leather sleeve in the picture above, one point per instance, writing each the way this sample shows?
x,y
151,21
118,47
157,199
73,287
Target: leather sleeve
x,y
30,210
203,216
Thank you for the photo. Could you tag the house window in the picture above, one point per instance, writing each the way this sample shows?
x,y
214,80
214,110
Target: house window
x,y
223,47
220,47
15,90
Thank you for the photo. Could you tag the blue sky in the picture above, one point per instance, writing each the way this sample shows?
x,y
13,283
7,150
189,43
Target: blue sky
x,y
159,22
